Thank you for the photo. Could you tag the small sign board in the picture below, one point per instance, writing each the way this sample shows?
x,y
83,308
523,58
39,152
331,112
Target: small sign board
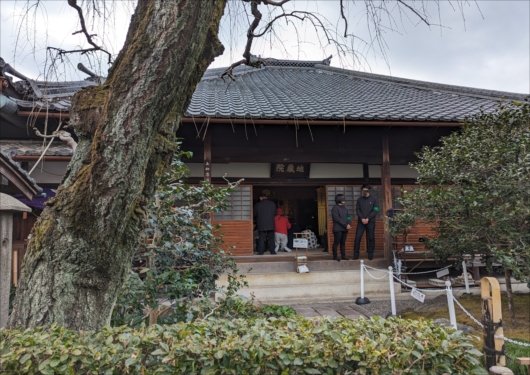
x,y
416,294
290,170
300,243
442,273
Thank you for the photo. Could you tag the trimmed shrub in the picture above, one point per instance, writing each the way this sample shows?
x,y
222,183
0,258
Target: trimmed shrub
x,y
245,346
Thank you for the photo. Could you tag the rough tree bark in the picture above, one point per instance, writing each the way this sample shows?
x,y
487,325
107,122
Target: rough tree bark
x,y
83,243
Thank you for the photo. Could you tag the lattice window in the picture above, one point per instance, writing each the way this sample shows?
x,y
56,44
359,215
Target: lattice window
x,y
240,208
352,194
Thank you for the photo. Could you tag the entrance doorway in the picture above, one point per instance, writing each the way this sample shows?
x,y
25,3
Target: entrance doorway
x,y
297,202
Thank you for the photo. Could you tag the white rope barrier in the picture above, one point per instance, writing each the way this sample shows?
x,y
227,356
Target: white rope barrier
x,y
376,278
515,342
425,272
482,326
413,287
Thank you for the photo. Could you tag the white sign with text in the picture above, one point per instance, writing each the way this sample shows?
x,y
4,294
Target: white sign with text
x,y
300,243
442,273
416,294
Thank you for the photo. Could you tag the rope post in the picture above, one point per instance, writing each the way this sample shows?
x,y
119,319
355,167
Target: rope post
x,y
392,295
361,300
451,304
466,281
494,349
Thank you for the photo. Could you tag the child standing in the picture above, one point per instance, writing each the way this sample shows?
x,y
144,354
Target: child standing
x,y
281,226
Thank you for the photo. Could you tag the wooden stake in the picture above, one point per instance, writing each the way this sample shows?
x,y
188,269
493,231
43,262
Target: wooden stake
x,y
492,321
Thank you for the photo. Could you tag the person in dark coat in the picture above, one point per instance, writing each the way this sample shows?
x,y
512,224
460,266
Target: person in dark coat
x,y
264,212
295,228
367,208
341,224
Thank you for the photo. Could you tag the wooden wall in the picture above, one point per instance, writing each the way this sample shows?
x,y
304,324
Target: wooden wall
x,y
350,240
238,233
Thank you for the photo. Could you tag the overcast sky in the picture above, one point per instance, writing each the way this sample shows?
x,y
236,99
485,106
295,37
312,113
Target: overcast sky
x,y
489,49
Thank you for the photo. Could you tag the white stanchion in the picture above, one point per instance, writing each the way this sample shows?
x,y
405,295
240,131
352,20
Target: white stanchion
x,y
451,304
362,300
392,295
466,281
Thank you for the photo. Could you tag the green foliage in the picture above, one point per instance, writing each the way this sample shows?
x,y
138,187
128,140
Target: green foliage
x,y
474,189
514,352
181,257
277,310
245,346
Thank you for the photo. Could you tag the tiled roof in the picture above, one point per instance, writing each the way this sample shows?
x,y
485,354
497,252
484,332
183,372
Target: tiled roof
x,y
21,172
288,89
34,148
317,91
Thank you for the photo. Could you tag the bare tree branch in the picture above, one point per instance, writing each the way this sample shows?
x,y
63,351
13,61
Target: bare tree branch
x,y
73,4
344,18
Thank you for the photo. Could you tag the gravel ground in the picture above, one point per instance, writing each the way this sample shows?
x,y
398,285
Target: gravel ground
x,y
382,308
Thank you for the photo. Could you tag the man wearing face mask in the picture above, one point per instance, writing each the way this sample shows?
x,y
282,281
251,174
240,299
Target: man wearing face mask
x,y
367,209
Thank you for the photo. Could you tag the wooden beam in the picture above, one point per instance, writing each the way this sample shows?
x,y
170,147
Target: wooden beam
x,y
36,157
302,122
387,196
208,156
14,177
64,116
366,172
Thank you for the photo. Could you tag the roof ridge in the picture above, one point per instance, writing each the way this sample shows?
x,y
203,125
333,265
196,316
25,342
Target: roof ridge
x,y
270,61
427,85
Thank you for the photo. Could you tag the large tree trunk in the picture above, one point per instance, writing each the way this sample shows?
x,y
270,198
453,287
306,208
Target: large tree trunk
x,y
84,241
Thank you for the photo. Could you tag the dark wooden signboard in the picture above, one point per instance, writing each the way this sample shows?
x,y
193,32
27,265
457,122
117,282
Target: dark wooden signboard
x,y
290,170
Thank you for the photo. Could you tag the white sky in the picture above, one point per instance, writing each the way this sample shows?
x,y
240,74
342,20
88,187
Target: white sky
x,y
490,50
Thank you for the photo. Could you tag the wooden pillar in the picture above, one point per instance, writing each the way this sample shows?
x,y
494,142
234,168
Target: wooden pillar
x,y
8,205
387,197
208,156
492,322
366,173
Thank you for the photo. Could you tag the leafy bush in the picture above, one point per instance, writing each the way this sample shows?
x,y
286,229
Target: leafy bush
x,y
181,256
277,310
245,346
514,352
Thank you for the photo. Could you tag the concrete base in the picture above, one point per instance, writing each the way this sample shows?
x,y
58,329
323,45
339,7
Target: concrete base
x,y
342,285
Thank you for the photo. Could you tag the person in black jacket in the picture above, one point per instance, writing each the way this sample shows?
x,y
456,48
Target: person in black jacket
x,y
264,212
341,224
367,209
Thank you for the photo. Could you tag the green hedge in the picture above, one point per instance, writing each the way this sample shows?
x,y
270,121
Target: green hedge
x,y
252,346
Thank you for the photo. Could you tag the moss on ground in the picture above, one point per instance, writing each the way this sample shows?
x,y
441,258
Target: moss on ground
x,y
519,330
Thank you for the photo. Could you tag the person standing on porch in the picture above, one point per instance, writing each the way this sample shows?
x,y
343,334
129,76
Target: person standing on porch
x,y
367,209
264,212
341,224
281,228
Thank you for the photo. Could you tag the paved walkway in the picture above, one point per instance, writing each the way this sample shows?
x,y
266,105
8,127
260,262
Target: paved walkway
x,y
334,310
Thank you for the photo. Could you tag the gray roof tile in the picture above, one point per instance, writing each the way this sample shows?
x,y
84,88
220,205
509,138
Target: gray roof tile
x,y
22,173
33,148
317,91
286,89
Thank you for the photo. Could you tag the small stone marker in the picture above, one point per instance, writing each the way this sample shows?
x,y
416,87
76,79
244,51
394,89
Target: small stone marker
x,y
524,362
500,370
8,205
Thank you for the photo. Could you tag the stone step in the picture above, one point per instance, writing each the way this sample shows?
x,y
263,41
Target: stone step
x,y
312,278
266,267
323,286
315,293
